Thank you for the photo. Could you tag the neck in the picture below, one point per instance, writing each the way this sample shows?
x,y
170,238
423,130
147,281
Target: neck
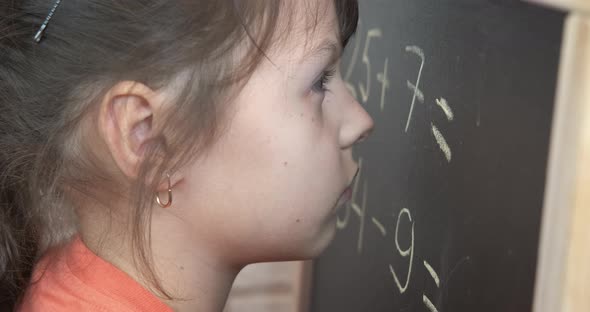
x,y
191,272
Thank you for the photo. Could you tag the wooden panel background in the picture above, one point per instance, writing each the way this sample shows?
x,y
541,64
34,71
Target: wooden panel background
x,y
271,287
563,275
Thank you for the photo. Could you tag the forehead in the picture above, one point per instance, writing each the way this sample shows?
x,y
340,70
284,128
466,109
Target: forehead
x,y
308,27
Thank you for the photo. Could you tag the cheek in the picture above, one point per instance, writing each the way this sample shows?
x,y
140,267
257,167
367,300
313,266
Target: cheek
x,y
288,181
277,200
302,184
270,184
296,170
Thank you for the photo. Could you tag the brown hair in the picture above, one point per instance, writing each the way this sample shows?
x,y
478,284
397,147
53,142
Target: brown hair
x,y
47,89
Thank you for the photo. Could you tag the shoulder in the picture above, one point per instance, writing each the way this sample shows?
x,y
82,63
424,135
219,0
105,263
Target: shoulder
x,y
73,278
54,287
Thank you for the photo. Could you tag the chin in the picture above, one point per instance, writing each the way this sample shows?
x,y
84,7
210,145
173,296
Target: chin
x,y
321,241
305,248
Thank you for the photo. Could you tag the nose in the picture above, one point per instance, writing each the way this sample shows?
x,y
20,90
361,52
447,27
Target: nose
x,y
357,126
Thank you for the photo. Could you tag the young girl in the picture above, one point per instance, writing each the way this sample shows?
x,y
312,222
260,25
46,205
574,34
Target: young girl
x,y
151,149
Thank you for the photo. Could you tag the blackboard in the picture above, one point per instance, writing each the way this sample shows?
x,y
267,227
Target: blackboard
x,y
446,210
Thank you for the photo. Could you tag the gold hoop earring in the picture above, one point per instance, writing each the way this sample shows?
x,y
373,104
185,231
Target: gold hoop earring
x,y
169,202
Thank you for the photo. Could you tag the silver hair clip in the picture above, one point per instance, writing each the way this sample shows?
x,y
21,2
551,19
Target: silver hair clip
x,y
41,30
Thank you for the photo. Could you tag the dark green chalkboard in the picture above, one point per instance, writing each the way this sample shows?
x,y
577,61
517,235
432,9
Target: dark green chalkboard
x,y
463,180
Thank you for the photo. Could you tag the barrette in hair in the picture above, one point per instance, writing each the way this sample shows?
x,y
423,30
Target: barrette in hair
x,y
41,30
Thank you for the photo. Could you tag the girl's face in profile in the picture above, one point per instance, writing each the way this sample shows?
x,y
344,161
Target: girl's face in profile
x,y
269,188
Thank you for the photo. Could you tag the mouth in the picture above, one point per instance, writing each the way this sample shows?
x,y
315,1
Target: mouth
x,y
347,194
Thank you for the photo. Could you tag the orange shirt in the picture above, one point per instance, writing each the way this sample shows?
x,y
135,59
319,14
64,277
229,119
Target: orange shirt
x,y
76,279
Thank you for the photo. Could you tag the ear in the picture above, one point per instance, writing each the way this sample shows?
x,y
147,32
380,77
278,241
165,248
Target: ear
x,y
126,123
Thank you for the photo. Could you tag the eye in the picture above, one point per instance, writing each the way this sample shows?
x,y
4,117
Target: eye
x,y
320,85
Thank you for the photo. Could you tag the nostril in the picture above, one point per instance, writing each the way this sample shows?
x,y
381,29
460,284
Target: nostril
x,y
364,136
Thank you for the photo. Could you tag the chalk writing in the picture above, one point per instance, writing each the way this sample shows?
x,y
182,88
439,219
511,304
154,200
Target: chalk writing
x,y
432,273
404,253
417,51
401,275
365,89
434,276
383,78
442,143
359,210
379,226
444,105
429,304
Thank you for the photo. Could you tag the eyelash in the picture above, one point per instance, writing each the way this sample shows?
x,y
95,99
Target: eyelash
x,y
320,85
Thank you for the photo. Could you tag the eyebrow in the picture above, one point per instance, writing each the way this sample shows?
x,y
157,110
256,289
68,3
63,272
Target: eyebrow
x,y
327,47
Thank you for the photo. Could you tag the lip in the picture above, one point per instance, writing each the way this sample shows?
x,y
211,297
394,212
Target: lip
x,y
344,198
346,195
358,169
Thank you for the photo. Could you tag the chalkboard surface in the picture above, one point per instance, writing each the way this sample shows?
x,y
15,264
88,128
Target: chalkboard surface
x,y
446,211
